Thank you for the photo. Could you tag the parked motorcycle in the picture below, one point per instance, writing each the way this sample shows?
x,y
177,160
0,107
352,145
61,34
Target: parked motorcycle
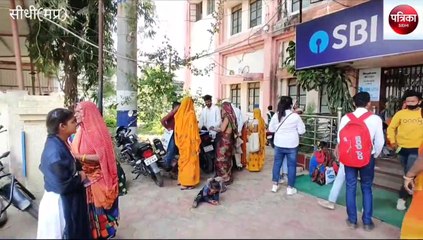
x,y
14,193
140,155
207,152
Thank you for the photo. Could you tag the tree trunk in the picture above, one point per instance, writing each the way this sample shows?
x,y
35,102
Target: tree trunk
x,y
71,83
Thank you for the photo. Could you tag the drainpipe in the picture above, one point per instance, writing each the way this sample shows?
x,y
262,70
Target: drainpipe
x,y
301,10
23,143
16,46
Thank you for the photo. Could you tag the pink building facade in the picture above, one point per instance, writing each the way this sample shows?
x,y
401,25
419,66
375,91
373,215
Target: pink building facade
x,y
249,50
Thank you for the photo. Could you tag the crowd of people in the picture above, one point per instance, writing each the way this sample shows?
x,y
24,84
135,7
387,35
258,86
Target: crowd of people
x,y
81,172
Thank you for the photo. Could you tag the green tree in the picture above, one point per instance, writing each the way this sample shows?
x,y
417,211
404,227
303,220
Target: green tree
x,y
331,79
56,50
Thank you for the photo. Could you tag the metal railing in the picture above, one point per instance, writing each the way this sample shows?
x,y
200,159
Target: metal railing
x,y
319,128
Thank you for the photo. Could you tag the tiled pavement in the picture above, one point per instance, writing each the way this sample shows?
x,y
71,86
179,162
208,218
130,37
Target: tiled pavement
x,y
248,210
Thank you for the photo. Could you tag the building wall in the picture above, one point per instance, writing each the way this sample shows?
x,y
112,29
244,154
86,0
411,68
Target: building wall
x,y
262,49
20,112
42,84
200,41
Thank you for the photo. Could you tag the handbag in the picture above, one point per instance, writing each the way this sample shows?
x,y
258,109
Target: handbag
x,y
273,134
254,142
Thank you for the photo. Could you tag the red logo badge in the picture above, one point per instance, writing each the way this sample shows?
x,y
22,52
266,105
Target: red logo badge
x,y
403,19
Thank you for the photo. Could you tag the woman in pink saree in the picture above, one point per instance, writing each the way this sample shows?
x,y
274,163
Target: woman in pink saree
x,y
93,147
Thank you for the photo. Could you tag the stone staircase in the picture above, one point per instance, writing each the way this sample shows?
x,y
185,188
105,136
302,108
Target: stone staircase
x,y
388,174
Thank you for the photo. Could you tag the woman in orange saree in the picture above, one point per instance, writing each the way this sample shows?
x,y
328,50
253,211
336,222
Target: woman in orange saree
x,y
255,161
187,139
93,147
412,225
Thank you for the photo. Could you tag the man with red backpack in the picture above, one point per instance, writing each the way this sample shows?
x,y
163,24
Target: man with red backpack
x,y
360,141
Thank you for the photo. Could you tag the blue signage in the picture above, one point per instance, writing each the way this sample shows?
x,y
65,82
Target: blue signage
x,y
352,34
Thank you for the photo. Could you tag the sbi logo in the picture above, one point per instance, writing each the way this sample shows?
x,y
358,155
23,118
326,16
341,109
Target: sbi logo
x,y
319,41
353,34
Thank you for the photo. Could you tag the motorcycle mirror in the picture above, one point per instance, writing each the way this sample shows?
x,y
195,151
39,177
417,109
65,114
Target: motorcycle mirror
x,y
132,113
1,127
5,154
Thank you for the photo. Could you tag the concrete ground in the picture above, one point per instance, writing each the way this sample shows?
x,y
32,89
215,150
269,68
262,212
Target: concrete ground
x,y
248,210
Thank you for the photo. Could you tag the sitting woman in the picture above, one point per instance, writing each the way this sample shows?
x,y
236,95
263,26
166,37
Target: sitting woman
x,y
255,161
210,192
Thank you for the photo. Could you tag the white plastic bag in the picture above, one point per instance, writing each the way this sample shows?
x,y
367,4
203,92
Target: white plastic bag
x,y
253,142
329,175
166,138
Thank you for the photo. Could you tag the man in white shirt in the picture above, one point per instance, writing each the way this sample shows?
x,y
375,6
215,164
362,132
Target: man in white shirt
x,y
210,118
374,124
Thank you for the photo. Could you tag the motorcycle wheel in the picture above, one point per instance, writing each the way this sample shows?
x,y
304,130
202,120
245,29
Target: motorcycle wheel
x,y
3,217
158,179
33,210
207,164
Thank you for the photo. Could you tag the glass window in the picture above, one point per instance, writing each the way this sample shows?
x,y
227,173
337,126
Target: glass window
x,y
253,96
255,13
199,11
210,6
295,5
324,103
297,94
236,94
236,19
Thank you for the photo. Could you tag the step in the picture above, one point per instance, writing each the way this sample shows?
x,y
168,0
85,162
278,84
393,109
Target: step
x,y
389,167
388,182
389,159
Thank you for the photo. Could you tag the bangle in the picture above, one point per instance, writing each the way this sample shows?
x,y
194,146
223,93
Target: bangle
x,y
408,178
83,158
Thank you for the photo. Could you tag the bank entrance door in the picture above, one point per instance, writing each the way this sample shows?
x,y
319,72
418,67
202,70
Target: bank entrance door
x,y
398,79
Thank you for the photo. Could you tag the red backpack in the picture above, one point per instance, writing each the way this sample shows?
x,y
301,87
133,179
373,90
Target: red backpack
x,y
355,143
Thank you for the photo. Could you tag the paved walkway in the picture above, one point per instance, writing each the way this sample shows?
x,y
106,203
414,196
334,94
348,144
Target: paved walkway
x,y
248,210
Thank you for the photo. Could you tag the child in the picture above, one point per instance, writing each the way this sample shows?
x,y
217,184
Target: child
x,y
210,192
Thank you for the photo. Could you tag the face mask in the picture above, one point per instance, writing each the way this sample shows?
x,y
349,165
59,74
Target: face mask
x,y
412,107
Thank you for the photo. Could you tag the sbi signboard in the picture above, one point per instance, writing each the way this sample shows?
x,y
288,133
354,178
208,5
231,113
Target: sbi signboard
x,y
349,35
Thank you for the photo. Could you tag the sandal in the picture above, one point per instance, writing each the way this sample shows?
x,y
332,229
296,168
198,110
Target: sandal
x,y
187,188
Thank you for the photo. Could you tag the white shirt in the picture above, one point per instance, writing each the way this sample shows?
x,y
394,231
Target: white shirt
x,y
210,117
287,135
239,119
374,124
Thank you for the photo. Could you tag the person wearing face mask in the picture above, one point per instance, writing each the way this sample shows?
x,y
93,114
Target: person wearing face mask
x,y
405,134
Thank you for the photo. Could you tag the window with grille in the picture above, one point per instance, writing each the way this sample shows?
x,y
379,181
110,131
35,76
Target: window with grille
x,y
283,54
236,19
295,4
324,103
298,94
255,13
253,96
236,95
210,6
198,11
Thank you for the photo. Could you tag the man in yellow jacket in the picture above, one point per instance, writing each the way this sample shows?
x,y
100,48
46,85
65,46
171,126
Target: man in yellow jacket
x,y
405,134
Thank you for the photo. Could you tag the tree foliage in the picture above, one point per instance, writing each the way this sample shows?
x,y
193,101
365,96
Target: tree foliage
x,y
331,79
56,51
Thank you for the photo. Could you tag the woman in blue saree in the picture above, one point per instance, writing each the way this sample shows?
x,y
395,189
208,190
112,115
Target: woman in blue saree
x,y
63,209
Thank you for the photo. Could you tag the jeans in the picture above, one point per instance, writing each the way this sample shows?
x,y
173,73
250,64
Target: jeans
x,y
407,161
367,174
172,150
284,169
291,155
337,184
